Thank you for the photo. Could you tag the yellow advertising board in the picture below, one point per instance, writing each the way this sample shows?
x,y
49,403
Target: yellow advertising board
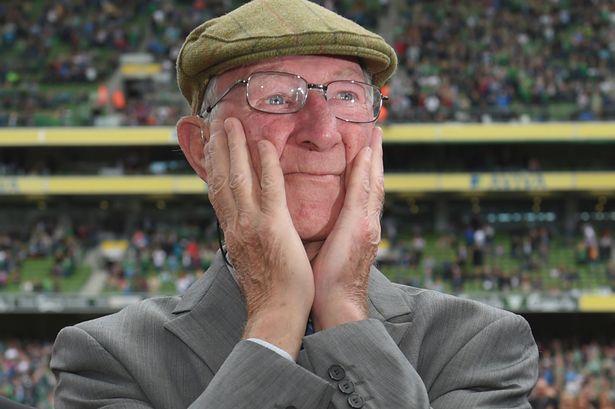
x,y
401,183
597,303
140,135
395,133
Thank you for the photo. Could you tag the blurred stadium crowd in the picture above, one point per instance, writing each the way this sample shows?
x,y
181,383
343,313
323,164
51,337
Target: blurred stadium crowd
x,y
164,258
573,374
47,257
485,60
505,60
61,248
464,61
523,260
161,260
25,376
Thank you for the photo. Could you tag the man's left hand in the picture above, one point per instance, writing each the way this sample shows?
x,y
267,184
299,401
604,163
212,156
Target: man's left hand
x,y
341,268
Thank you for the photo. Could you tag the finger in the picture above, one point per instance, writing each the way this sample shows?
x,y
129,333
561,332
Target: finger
x,y
357,194
241,176
219,192
208,157
273,194
376,194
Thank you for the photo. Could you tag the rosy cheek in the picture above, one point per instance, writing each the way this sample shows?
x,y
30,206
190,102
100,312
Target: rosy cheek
x,y
355,138
351,152
277,133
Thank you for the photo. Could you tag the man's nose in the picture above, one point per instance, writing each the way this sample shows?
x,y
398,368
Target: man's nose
x,y
317,127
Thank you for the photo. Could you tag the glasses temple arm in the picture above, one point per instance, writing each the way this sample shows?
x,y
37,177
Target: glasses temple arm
x,y
229,89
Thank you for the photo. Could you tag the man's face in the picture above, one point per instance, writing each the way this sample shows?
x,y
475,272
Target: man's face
x,y
316,149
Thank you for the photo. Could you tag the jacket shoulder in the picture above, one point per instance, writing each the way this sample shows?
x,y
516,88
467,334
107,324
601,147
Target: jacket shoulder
x,y
451,337
436,306
135,323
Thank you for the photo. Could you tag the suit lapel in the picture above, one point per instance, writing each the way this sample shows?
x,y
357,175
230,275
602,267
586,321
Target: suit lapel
x,y
388,304
211,316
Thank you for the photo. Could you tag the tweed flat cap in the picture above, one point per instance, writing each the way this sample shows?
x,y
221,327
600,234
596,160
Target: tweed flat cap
x,y
263,29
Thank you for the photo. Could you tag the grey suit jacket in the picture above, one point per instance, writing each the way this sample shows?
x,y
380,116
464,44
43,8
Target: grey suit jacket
x,y
419,349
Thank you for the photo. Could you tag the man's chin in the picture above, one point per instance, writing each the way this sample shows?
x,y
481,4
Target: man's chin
x,y
314,210
313,232
314,224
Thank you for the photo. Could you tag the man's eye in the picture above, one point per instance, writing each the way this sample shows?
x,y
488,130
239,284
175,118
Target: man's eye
x,y
275,100
347,96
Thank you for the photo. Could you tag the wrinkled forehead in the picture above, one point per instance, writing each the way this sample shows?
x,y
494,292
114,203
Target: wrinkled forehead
x,y
314,68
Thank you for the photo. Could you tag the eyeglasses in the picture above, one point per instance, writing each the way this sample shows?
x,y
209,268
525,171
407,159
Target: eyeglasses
x,y
283,93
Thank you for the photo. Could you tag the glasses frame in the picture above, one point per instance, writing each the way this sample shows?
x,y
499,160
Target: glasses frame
x,y
310,86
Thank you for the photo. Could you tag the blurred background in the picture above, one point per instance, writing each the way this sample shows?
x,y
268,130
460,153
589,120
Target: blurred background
x,y
499,160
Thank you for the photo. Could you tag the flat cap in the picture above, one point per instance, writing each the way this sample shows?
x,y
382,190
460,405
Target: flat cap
x,y
263,29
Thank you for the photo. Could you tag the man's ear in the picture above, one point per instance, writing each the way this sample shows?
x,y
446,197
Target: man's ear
x,y
193,136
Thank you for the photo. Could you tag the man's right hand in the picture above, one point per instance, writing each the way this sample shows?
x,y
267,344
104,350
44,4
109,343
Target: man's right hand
x,y
273,270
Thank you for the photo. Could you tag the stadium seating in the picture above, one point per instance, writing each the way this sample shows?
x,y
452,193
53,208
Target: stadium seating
x,y
575,375
25,377
506,210
504,61
55,257
60,60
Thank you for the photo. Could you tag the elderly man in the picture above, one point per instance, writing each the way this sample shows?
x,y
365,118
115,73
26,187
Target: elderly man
x,y
292,314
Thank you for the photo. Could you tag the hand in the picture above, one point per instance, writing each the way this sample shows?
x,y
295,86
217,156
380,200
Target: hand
x,y
273,271
341,268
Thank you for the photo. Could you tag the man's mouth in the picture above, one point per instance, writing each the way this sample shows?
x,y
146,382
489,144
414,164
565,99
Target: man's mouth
x,y
313,173
319,176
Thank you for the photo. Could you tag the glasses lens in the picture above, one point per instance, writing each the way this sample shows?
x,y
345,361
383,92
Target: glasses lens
x,y
276,93
354,101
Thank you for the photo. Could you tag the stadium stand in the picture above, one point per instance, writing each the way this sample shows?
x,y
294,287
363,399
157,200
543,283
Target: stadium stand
x,y
575,375
510,211
161,256
528,61
505,60
24,372
55,53
63,60
47,258
160,260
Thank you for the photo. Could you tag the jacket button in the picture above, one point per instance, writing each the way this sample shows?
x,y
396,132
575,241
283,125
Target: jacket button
x,y
356,401
346,386
337,373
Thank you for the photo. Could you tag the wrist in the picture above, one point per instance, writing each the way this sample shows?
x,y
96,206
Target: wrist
x,y
283,327
338,313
